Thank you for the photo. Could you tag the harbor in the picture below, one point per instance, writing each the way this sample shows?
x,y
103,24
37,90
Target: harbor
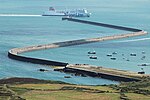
x,y
122,76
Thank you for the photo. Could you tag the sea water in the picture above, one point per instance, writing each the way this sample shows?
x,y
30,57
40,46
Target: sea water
x,y
21,24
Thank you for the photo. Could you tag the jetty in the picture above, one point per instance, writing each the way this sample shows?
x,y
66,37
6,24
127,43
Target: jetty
x,y
15,53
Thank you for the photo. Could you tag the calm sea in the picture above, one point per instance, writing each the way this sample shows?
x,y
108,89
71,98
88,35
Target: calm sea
x,y
19,31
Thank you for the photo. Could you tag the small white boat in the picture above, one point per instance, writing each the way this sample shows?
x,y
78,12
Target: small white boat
x,y
143,52
109,55
132,54
70,13
127,60
113,58
114,53
93,57
91,52
144,64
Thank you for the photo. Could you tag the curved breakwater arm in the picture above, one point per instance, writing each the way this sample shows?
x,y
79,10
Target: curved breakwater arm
x,y
13,53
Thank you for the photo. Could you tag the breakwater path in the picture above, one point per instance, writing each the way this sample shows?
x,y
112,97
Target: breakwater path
x,y
98,71
14,53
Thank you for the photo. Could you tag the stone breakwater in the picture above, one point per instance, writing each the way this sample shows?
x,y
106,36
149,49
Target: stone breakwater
x,y
98,71
14,53
102,24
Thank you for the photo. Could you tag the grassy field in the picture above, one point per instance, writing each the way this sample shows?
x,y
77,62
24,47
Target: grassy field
x,y
49,90
64,92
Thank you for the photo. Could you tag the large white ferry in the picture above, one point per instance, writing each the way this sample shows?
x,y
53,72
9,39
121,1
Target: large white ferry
x,y
70,13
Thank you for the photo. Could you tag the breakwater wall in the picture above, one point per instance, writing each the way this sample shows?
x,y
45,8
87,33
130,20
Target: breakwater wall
x,y
84,72
102,72
102,24
36,60
15,53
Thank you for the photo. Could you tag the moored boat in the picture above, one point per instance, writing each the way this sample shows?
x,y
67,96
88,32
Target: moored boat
x,y
93,57
113,58
132,54
114,53
91,52
109,55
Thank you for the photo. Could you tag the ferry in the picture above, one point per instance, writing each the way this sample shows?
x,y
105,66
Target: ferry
x,y
70,13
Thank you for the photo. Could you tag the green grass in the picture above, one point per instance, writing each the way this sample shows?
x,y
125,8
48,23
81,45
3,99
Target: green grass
x,y
68,95
4,97
134,96
19,91
63,91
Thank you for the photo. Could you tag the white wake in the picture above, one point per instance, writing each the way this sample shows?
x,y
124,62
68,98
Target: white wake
x,y
142,39
19,15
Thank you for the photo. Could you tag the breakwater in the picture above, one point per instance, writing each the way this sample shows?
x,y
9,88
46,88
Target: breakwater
x,y
102,24
36,60
98,71
119,78
15,53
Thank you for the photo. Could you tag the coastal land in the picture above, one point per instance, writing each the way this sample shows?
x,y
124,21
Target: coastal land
x,y
35,89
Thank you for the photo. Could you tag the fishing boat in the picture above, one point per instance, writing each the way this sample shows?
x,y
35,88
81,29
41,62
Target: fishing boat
x,y
70,13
